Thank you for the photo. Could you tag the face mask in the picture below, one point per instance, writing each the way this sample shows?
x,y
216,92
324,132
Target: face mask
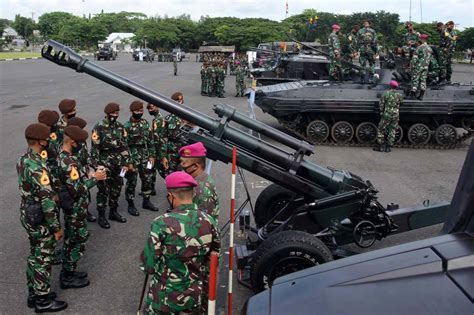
x,y
112,118
53,128
137,116
187,168
69,116
153,113
44,145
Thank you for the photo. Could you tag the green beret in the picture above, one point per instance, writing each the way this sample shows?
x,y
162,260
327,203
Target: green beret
x,y
136,105
76,133
48,117
111,107
76,121
66,106
37,131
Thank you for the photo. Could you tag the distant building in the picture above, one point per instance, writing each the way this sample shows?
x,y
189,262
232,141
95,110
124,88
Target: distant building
x,y
120,41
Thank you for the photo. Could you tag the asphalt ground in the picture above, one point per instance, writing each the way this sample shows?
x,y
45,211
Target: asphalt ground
x,y
405,176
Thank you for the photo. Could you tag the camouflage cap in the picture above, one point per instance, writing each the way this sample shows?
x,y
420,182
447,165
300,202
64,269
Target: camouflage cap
x,y
37,131
179,180
66,106
48,117
76,133
136,105
111,107
76,121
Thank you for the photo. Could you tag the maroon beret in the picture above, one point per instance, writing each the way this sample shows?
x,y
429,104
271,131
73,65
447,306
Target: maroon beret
x,y
76,121
76,133
179,180
37,131
111,107
48,117
66,106
136,105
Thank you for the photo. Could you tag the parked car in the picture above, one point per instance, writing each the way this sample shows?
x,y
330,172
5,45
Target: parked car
x,y
148,54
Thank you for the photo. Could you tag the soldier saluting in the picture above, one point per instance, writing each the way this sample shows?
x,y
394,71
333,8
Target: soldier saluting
x,y
40,218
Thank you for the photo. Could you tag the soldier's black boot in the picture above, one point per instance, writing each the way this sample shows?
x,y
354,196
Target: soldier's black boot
x,y
68,280
90,217
387,148
412,95
103,223
420,96
46,304
153,191
378,147
32,297
132,209
115,216
147,204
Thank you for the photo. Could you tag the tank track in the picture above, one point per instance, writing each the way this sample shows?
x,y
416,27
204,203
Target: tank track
x,y
404,144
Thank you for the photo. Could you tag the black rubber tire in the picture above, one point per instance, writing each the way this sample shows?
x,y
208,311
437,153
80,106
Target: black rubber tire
x,y
366,132
446,135
295,248
267,200
342,132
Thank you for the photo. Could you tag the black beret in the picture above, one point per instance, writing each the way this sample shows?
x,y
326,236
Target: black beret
x,y
136,105
48,117
66,106
76,133
111,107
37,131
76,121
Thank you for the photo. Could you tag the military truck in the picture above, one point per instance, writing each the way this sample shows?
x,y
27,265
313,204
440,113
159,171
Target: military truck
x,y
106,52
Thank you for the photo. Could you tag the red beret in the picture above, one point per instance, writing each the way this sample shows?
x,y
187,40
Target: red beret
x,y
66,106
37,131
335,27
179,180
48,117
424,36
136,105
111,107
76,121
393,84
193,150
76,133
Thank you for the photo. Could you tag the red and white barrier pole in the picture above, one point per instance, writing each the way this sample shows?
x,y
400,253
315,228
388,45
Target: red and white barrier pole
x,y
211,309
231,230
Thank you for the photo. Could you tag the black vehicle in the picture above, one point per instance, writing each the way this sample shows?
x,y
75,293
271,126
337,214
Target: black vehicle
x,y
432,276
106,53
148,54
306,215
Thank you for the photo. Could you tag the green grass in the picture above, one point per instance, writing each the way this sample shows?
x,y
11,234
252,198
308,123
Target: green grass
x,y
11,55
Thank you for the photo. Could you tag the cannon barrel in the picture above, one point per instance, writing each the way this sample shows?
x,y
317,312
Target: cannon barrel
x,y
324,179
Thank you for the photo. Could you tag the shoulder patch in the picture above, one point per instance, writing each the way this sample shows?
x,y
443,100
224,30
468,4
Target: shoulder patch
x,y
125,134
44,154
53,136
95,136
74,173
44,180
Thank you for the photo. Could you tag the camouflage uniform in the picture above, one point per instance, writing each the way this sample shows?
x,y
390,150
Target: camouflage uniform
x,y
451,38
239,81
389,114
366,40
177,253
175,66
54,147
140,144
110,150
433,70
157,130
441,54
204,80
220,81
205,195
211,79
35,188
76,185
419,65
410,39
335,67
173,139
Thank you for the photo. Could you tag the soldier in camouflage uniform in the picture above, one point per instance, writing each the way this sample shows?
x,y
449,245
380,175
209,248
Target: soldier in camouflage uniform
x,y
349,49
175,65
204,88
335,68
178,251
84,159
74,202
211,79
367,46
157,128
109,149
67,107
410,39
451,37
441,51
419,68
389,113
40,218
239,79
173,138
220,80
142,151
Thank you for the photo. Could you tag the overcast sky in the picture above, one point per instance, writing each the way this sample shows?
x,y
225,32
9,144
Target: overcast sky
x,y
461,11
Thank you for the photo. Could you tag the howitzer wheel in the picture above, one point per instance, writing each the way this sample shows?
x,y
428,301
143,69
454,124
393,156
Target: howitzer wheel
x,y
399,134
366,132
446,134
342,132
283,253
317,131
419,134
270,201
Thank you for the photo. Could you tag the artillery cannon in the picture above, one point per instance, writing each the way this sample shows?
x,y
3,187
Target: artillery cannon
x,y
309,211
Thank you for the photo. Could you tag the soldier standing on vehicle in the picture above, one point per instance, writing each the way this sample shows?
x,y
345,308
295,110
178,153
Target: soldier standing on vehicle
x,y
389,113
441,50
74,202
335,68
178,251
40,218
367,46
451,39
175,65
349,49
156,132
142,151
419,67
410,40
193,162
109,149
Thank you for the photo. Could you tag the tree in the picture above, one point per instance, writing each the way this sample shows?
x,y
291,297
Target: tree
x,y
4,23
24,26
466,39
50,24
